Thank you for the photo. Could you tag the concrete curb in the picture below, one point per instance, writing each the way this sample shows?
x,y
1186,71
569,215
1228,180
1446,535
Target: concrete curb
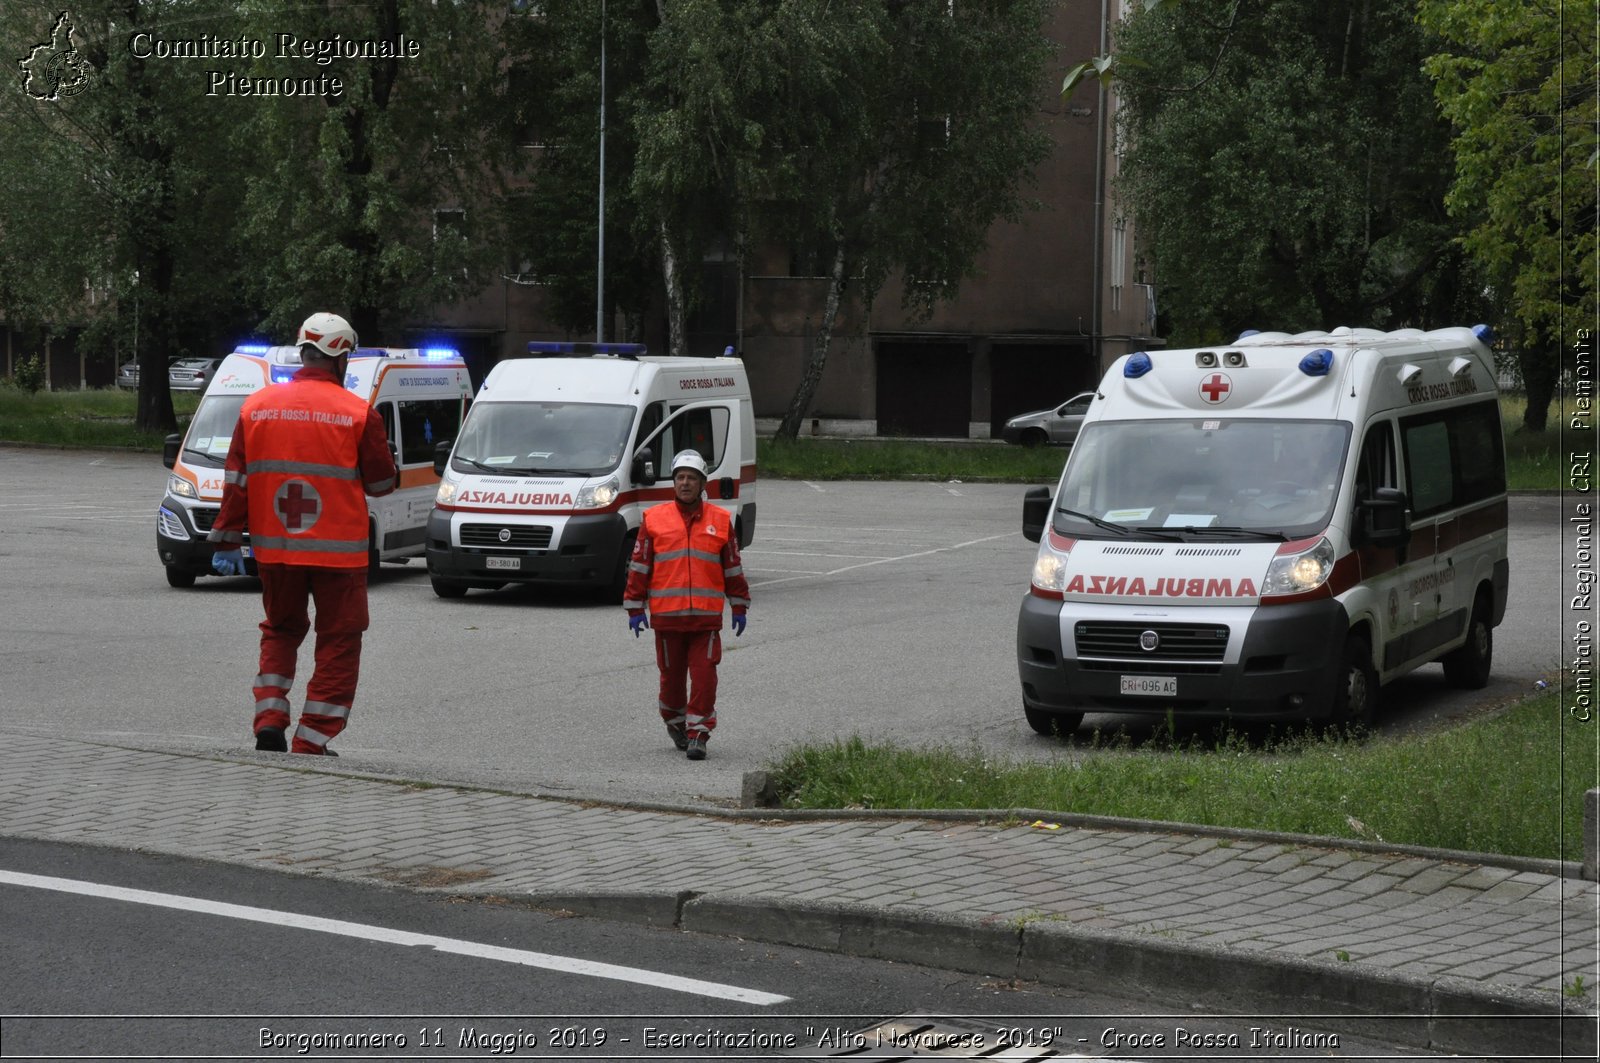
x,y
1440,1014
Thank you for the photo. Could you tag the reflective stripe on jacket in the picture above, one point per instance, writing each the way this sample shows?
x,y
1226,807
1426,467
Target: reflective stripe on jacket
x,y
686,567
304,459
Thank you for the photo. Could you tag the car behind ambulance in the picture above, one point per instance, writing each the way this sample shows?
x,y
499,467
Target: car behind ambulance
x,y
421,394
564,451
1270,528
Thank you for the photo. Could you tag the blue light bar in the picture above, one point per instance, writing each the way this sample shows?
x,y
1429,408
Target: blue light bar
x,y
440,354
1247,333
1484,333
1317,363
626,350
283,376
252,348
1137,365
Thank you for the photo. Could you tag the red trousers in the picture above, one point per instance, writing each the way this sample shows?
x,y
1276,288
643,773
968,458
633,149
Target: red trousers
x,y
689,659
340,595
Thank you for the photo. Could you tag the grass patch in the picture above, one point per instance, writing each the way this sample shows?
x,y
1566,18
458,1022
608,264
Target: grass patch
x,y
103,417
904,459
97,417
1493,785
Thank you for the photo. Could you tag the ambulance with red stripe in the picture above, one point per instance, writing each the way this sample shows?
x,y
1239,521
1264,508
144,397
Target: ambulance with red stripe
x,y
565,450
1270,529
421,394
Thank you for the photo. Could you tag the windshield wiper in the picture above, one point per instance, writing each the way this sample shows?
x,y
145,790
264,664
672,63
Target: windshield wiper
x,y
1111,526
476,464
1234,531
209,460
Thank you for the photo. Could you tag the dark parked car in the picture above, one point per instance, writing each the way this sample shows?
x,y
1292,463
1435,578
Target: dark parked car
x,y
1059,425
192,374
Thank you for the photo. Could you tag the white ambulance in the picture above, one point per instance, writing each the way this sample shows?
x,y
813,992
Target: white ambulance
x,y
1270,528
565,450
421,394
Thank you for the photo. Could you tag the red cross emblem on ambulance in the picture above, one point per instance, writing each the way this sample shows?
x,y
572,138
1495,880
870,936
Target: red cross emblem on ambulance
x,y
1216,388
298,503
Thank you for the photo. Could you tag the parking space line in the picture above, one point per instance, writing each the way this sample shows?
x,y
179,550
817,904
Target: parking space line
x,y
886,560
367,932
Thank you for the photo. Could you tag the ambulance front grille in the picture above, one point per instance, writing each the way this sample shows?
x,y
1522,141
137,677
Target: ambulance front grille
x,y
204,517
517,537
1120,640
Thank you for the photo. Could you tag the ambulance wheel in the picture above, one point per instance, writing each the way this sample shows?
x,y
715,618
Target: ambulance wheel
x,y
1467,665
1052,723
448,588
1355,699
179,577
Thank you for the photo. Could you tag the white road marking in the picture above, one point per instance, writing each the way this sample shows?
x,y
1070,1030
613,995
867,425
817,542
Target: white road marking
x,y
297,921
900,557
815,487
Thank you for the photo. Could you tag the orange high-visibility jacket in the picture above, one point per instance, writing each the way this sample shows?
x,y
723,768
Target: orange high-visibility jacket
x,y
688,566
303,459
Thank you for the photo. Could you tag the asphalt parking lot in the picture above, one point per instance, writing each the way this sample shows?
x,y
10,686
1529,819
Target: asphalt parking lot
x,y
884,610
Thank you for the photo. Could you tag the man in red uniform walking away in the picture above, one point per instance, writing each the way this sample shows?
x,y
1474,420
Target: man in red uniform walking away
x,y
303,458
685,565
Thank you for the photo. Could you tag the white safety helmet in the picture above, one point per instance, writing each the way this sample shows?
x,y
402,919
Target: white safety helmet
x,y
689,459
328,333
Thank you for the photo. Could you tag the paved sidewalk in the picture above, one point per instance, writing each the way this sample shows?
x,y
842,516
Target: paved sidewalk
x,y
1458,955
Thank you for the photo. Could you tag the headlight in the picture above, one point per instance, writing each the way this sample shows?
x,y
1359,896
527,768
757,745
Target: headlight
x,y
1050,568
447,492
597,496
1299,572
178,487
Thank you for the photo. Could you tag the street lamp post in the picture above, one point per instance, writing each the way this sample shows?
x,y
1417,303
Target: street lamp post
x,y
600,255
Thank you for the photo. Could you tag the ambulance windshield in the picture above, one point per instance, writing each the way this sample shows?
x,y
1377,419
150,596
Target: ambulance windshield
x,y
543,438
1202,479
211,430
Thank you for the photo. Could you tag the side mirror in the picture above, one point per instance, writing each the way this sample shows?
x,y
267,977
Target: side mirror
x,y
169,450
1035,513
441,456
644,466
1383,520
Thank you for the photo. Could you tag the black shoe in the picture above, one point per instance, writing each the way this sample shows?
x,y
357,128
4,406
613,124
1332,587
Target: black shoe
x,y
679,736
271,740
697,748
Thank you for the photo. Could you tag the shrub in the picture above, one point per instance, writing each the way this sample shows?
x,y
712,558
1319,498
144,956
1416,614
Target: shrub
x,y
28,374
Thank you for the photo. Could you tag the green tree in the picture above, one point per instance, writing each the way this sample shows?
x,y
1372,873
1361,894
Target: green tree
x,y
1518,81
1287,167
887,135
112,183
378,199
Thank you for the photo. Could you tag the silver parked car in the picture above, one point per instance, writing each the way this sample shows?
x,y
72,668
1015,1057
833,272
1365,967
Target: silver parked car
x,y
191,374
1059,425
128,375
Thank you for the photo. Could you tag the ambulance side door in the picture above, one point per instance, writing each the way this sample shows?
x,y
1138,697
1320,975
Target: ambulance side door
x,y
709,428
425,422
1430,474
1394,574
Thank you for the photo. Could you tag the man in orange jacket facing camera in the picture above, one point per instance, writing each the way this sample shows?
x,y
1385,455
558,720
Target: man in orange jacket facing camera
x,y
685,565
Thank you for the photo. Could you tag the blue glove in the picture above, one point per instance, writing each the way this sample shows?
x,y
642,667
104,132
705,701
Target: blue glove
x,y
738,624
638,623
228,562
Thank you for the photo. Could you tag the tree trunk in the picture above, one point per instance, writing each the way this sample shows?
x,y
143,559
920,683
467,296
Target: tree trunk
x,y
1539,371
676,340
789,428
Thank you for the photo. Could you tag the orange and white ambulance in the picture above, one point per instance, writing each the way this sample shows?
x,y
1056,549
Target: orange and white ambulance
x,y
564,451
421,393
1271,528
